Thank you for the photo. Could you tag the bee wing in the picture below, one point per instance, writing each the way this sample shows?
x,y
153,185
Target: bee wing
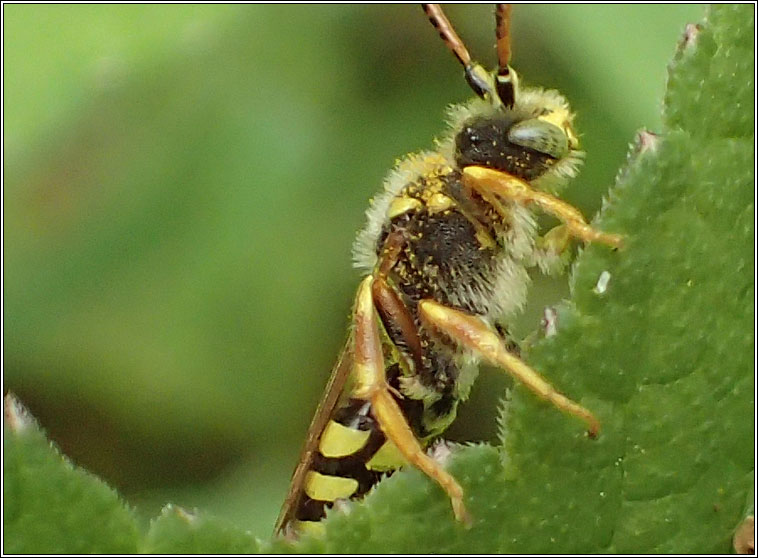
x,y
332,393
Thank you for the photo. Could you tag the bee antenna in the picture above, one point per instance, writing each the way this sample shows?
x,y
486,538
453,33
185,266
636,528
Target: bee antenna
x,y
505,81
476,76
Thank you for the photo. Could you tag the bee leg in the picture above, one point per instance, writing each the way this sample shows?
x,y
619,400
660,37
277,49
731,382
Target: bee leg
x,y
556,240
371,386
506,186
552,252
473,333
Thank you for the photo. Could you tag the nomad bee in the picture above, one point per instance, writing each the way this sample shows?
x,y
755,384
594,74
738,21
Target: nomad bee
x,y
445,255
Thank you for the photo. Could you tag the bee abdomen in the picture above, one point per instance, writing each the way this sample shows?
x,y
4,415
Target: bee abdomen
x,y
349,461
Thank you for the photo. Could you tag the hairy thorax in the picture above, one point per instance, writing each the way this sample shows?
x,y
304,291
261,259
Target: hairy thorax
x,y
439,240
436,239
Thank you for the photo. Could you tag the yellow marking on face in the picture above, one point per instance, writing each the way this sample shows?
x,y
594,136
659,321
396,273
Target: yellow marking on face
x,y
328,488
387,458
557,117
402,205
572,139
562,119
439,202
339,440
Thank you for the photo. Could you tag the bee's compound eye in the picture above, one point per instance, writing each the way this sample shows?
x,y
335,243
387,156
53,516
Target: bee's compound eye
x,y
541,136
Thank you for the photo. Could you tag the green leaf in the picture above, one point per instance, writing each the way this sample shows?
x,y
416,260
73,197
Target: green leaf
x,y
49,505
53,507
657,340
177,531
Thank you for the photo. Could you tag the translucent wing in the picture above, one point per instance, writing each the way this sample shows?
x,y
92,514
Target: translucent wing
x,y
332,393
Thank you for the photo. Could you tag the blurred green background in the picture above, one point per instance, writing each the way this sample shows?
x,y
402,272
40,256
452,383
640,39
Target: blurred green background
x,y
182,185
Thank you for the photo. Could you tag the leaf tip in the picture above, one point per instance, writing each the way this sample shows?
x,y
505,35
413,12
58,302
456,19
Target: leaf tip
x,y
17,417
689,37
647,141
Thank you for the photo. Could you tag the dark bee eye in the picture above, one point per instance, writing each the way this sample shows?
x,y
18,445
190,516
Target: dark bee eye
x,y
541,136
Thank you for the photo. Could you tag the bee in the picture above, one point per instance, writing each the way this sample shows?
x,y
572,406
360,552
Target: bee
x,y
444,255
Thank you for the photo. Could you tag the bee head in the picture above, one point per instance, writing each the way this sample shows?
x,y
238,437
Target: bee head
x,y
524,133
526,141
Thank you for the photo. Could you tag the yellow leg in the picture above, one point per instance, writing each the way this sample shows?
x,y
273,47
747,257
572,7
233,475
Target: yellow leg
x,y
371,385
551,253
556,240
490,181
472,333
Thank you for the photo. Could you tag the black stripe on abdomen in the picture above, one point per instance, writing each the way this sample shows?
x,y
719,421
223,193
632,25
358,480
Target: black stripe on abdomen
x,y
354,415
